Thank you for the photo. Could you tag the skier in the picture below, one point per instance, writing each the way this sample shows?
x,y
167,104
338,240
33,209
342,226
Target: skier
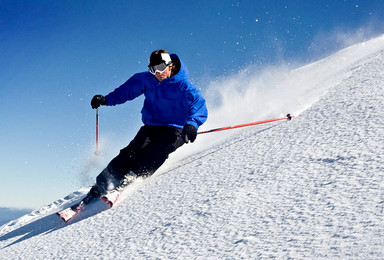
x,y
173,110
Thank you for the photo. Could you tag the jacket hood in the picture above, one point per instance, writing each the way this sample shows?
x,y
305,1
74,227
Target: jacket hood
x,y
182,74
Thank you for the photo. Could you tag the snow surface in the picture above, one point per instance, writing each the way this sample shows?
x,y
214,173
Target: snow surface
x,y
308,188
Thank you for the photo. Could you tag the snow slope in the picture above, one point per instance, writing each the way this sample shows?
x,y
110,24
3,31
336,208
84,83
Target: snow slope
x,y
309,188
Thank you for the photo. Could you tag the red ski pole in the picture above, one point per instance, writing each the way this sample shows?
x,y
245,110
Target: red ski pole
x,y
288,117
97,132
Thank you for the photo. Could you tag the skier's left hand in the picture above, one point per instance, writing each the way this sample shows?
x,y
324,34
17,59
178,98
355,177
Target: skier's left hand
x,y
189,133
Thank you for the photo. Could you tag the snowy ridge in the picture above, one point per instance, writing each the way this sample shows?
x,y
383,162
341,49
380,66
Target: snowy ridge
x,y
308,188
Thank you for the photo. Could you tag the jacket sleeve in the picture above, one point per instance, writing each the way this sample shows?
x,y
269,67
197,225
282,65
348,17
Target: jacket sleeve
x,y
131,89
198,112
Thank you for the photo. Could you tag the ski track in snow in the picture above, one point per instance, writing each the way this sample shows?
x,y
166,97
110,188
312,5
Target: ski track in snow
x,y
307,188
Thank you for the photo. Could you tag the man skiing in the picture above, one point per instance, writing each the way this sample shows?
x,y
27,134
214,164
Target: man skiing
x,y
173,111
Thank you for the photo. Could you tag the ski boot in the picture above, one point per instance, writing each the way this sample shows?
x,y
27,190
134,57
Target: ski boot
x,y
111,197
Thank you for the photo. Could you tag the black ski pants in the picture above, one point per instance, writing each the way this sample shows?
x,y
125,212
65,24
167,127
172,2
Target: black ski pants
x,y
147,151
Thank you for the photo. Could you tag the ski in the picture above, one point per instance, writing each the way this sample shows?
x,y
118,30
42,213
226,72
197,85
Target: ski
x,y
112,196
68,213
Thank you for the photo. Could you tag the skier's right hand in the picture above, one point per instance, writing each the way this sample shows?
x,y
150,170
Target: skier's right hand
x,y
98,100
189,133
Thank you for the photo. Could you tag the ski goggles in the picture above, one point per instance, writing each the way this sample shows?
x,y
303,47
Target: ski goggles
x,y
158,68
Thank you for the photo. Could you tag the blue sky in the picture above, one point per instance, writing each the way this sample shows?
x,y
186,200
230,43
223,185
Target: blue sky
x,y
55,55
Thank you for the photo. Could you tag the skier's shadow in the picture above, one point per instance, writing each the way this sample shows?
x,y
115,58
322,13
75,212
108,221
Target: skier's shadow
x,y
50,224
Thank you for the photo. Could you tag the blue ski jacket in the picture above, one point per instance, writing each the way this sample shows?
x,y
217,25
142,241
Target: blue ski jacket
x,y
175,101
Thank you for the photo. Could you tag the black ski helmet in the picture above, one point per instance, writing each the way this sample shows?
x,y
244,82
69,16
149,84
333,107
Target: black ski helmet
x,y
158,57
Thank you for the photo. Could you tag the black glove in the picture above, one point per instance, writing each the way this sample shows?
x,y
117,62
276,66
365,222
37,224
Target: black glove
x,y
98,100
189,133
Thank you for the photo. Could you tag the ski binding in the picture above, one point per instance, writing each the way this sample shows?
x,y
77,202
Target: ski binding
x,y
68,213
111,197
